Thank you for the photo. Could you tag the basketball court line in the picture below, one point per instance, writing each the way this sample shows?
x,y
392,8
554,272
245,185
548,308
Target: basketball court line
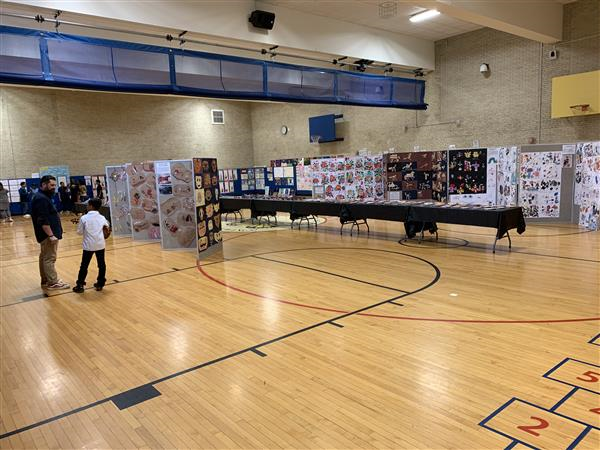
x,y
253,349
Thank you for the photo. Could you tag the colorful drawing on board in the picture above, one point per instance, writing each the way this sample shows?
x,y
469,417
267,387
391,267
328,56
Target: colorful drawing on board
x,y
467,171
208,216
416,175
540,184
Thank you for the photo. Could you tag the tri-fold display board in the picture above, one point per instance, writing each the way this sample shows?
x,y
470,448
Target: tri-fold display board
x,y
174,201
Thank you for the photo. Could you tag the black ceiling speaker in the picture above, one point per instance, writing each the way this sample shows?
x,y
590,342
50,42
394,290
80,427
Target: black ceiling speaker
x,y
262,19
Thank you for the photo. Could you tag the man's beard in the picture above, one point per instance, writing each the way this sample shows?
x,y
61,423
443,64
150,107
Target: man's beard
x,y
48,192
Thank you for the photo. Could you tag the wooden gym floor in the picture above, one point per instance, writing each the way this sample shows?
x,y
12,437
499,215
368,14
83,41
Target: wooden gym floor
x,y
304,339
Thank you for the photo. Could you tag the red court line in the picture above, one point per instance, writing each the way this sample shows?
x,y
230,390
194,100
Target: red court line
x,y
383,316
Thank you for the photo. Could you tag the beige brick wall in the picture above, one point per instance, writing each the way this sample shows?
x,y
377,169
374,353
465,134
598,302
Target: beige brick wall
x,y
509,107
89,130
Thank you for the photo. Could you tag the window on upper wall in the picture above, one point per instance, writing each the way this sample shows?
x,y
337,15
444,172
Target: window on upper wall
x,y
217,116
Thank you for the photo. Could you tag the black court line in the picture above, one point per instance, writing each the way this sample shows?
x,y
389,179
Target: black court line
x,y
336,324
258,352
78,255
253,349
331,273
442,243
397,304
69,291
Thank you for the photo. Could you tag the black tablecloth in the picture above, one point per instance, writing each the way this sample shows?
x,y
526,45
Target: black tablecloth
x,y
502,219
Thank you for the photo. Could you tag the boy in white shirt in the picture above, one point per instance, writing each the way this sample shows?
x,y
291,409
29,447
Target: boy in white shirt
x,y
92,226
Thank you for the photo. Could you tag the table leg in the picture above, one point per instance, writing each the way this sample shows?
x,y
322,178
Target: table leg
x,y
509,241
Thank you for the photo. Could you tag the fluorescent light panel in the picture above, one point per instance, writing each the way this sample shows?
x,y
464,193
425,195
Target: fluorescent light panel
x,y
424,15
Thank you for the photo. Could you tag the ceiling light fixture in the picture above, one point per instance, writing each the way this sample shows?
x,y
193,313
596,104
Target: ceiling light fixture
x,y
424,15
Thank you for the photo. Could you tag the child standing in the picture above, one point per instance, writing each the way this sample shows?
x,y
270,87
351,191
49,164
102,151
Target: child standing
x,y
92,226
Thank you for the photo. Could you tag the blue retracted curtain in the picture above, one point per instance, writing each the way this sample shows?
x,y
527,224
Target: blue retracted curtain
x,y
39,57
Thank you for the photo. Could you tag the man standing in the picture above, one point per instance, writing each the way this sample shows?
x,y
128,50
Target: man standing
x,y
24,200
48,231
64,197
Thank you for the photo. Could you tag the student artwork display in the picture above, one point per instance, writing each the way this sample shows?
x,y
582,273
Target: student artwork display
x,y
118,200
507,176
259,178
304,176
174,182
248,180
540,177
467,171
143,204
208,215
491,195
587,184
227,178
416,175
349,178
283,172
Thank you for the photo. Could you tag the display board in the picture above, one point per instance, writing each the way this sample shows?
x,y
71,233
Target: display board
x,y
143,205
227,179
467,171
304,176
348,178
259,178
118,200
176,205
540,183
587,184
507,176
284,174
208,214
416,175
12,186
248,182
489,195
61,173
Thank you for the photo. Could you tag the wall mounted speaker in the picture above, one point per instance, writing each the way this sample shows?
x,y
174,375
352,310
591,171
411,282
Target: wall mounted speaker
x,y
262,19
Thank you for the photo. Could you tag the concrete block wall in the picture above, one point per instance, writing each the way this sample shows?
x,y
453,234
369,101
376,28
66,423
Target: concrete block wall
x,y
89,130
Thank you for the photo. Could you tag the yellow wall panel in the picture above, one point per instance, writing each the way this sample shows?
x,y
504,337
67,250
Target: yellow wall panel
x,y
578,89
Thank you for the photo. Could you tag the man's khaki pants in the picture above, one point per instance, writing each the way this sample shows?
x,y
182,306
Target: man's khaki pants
x,y
48,251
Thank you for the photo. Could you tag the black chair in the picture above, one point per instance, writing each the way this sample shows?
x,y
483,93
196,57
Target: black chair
x,y
301,217
346,218
235,212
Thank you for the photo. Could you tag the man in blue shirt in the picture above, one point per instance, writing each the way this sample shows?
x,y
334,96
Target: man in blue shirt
x,y
24,199
48,231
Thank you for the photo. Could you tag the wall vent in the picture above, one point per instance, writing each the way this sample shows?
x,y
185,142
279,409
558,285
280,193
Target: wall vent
x,y
217,116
